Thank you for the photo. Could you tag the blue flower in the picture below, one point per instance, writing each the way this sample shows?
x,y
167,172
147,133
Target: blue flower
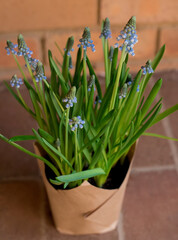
x,y
76,122
33,62
69,46
91,83
16,82
86,41
147,68
11,48
39,72
22,46
106,32
70,98
128,34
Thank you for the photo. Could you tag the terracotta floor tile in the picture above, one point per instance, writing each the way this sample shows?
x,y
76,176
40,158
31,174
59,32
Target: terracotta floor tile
x,y
153,151
20,210
14,120
151,207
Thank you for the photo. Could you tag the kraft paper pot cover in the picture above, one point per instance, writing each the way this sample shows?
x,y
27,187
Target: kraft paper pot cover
x,y
85,209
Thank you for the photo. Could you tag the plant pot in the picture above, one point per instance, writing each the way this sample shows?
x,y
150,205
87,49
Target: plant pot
x,y
85,209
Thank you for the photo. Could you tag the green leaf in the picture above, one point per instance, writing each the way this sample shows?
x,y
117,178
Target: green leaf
x,y
54,84
92,72
58,153
65,89
46,136
77,106
49,164
159,136
22,138
78,68
151,97
80,175
56,104
52,114
164,114
36,108
114,64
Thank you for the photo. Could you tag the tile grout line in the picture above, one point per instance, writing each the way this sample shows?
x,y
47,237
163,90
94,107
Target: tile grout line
x,y
20,178
121,228
43,213
168,131
136,170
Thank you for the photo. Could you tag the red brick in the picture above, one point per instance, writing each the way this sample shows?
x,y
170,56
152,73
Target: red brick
x,y
169,36
152,11
30,15
8,61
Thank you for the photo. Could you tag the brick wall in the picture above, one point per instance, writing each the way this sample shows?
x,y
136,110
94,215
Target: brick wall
x,y
44,22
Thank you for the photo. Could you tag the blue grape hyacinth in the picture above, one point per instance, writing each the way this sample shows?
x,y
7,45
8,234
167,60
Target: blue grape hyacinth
x,y
106,32
70,98
22,46
39,72
86,41
128,34
16,82
147,68
10,48
69,47
76,122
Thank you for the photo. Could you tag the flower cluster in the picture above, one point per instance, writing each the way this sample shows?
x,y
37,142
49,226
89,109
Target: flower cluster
x,y
22,46
76,122
86,41
106,32
11,48
70,98
39,72
69,46
16,82
128,34
147,68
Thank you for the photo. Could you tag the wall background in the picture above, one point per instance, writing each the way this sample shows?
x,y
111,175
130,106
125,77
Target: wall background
x,y
42,22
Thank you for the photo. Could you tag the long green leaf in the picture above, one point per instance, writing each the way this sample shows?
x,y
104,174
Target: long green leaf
x,y
164,114
22,138
159,136
80,175
53,168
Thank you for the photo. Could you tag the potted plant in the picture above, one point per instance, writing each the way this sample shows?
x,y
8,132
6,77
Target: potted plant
x,y
86,138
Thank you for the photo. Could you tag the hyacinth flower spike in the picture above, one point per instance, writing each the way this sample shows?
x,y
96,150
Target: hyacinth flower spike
x,y
130,39
67,56
70,99
10,48
86,42
106,34
16,83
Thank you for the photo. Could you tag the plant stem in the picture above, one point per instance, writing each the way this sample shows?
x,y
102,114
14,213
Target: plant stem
x,y
20,68
85,78
113,98
23,101
66,133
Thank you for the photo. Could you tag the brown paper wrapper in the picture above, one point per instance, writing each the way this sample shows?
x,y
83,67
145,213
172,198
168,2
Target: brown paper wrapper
x,y
85,209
